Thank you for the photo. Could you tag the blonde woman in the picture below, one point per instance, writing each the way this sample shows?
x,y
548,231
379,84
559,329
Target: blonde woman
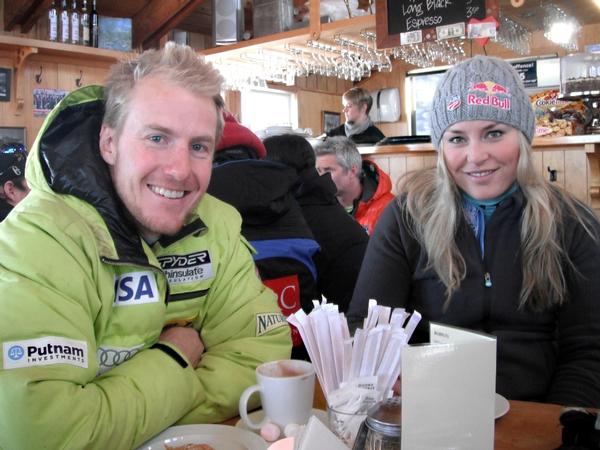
x,y
484,242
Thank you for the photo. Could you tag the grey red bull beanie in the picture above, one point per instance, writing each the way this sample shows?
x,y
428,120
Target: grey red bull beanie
x,y
481,88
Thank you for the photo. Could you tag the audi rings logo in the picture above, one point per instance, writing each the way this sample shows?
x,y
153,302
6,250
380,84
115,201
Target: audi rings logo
x,y
109,357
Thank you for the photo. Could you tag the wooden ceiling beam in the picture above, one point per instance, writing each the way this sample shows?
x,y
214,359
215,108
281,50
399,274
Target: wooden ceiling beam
x,y
24,13
158,18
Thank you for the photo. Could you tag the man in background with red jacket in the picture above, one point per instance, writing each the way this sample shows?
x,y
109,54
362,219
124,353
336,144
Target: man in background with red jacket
x,y
362,187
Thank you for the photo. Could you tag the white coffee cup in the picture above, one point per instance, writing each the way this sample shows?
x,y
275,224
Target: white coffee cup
x,y
286,392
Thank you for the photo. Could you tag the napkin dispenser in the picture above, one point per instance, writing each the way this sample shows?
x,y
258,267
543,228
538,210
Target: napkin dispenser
x,y
386,105
448,391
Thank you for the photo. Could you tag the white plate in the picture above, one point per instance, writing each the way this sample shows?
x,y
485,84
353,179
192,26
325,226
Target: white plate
x,y
501,406
221,437
258,415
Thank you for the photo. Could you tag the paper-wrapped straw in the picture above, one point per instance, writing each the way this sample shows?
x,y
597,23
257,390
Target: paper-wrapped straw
x,y
368,361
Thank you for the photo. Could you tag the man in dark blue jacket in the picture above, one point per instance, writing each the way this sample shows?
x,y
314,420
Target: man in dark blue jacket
x,y
13,187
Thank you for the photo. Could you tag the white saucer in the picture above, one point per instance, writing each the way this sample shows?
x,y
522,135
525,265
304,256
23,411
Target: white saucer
x,y
258,415
501,406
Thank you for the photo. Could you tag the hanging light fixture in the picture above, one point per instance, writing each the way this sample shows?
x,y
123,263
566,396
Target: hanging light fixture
x,y
561,28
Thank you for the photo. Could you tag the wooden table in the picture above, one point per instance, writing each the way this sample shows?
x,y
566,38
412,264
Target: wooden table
x,y
529,426
526,426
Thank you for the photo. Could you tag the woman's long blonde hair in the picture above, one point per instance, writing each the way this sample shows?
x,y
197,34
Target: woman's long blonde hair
x,y
433,208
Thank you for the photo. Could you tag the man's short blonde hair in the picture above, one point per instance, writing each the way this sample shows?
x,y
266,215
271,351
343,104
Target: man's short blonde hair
x,y
178,64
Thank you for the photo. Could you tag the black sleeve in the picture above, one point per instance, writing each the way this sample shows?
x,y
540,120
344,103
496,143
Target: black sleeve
x,y
386,272
343,244
337,131
577,375
378,133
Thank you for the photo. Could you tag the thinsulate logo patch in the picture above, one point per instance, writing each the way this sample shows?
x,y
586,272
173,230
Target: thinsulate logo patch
x,y
189,268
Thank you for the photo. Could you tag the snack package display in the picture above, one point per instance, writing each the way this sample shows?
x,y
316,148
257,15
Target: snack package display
x,y
556,117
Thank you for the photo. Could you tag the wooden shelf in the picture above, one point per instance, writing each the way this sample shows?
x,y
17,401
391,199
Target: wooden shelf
x,y
57,49
277,42
23,48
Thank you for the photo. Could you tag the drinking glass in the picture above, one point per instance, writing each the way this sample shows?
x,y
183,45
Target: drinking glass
x,y
345,424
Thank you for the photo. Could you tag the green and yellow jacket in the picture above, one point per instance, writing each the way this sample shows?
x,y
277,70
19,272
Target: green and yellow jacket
x,y
83,299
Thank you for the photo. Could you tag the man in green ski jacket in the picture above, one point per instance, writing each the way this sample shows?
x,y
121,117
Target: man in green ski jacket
x,y
129,300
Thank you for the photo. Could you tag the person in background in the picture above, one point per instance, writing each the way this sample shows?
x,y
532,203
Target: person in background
x,y
129,299
272,220
363,189
484,242
13,187
358,126
341,239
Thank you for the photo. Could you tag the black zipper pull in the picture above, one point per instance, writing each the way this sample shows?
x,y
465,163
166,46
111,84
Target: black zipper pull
x,y
487,279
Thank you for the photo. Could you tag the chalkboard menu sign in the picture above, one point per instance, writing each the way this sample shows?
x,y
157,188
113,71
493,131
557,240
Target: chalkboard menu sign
x,y
411,15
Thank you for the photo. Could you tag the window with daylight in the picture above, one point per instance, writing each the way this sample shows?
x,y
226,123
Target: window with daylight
x,y
421,87
262,108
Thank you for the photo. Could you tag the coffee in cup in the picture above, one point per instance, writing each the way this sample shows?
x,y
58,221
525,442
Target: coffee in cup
x,y
286,390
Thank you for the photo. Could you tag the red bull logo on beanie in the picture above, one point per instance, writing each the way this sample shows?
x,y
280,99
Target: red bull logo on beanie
x,y
495,95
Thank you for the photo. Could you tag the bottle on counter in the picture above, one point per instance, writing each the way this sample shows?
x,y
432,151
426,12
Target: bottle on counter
x,y
85,24
74,23
64,22
53,22
94,25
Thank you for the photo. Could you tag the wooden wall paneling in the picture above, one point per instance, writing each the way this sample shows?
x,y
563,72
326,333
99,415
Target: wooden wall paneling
x,y
321,83
397,170
49,80
233,103
594,181
555,159
429,162
343,86
310,108
538,163
576,181
382,161
8,113
57,73
417,162
300,83
332,84
68,74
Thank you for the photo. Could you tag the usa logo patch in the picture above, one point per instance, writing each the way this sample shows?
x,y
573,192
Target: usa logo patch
x,y
135,288
453,103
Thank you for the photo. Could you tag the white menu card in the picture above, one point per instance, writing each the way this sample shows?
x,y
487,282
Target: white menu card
x,y
448,391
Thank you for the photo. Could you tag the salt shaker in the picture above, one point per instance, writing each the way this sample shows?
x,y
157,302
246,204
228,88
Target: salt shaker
x,y
382,427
